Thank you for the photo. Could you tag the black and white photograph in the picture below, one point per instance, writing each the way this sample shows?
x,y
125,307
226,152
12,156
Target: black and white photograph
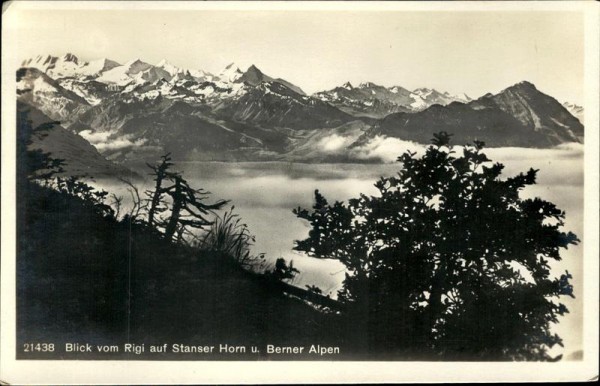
x,y
218,186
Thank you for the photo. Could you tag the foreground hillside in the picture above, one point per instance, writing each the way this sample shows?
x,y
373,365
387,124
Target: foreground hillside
x,y
76,268
87,275
81,158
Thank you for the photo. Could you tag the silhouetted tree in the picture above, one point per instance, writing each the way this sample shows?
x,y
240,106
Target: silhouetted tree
x,y
137,203
161,173
188,210
187,206
40,167
448,256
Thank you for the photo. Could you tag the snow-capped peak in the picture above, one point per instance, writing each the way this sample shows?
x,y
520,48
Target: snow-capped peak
x,y
123,75
135,66
230,73
133,62
425,97
201,74
41,62
347,86
56,67
99,66
231,66
366,85
68,57
422,90
170,68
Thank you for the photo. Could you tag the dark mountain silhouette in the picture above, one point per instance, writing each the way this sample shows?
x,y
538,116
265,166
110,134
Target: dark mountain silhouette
x,y
520,115
178,295
254,77
189,131
80,157
536,110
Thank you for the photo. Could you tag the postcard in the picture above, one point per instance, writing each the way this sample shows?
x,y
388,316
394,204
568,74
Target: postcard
x,y
299,192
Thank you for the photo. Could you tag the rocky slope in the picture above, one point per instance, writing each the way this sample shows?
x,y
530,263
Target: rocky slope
x,y
520,115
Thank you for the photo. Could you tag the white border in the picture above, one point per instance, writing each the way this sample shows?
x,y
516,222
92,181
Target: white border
x,y
138,372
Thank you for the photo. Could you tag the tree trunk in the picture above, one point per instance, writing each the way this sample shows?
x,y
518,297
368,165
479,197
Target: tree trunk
x,y
155,197
434,309
177,205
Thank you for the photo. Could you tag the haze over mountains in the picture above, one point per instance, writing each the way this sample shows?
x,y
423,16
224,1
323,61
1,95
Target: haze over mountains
x,y
137,111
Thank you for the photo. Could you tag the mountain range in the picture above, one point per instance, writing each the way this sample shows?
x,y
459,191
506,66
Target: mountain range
x,y
137,111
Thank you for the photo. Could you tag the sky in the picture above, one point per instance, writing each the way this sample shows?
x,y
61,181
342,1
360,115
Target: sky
x,y
473,52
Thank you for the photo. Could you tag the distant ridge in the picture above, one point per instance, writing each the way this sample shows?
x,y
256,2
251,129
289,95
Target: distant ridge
x,y
519,115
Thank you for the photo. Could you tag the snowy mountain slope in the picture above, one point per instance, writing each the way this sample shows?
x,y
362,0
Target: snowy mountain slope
x,y
91,90
39,90
272,104
97,67
55,67
369,99
230,73
69,65
125,74
428,97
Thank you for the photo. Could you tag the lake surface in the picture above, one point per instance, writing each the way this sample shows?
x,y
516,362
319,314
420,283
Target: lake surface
x,y
264,194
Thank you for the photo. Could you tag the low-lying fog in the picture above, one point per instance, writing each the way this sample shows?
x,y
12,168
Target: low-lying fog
x,y
264,195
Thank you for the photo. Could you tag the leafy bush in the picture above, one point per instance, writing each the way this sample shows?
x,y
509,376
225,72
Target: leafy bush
x,y
436,259
283,271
